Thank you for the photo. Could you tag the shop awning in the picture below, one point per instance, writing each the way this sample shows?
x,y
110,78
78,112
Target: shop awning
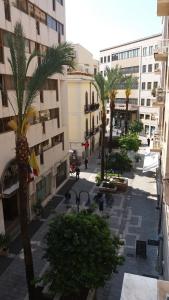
x,y
151,162
10,191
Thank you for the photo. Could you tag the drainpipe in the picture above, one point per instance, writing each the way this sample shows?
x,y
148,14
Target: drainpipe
x,y
90,91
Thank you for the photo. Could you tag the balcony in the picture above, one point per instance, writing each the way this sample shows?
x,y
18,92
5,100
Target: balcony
x,y
161,51
157,71
91,132
156,143
162,8
160,98
91,107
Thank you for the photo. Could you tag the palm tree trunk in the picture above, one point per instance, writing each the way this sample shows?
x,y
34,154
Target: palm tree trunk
x,y
112,105
126,116
103,145
22,151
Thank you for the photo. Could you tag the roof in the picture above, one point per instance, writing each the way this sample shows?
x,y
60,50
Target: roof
x,y
132,42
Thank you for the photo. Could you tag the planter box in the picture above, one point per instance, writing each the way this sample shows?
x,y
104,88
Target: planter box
x,y
103,187
121,183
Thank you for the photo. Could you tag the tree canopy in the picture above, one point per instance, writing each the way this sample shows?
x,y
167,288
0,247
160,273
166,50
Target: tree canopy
x,y
81,252
136,126
130,142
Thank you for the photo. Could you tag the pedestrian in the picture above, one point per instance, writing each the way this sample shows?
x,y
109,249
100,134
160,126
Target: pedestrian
x,y
77,172
67,197
101,204
148,141
86,162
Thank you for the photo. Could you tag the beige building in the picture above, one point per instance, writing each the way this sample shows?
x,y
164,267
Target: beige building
x,y
135,58
44,25
83,105
161,142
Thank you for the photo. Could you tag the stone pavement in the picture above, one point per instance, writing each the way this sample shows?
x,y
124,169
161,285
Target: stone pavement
x,y
12,273
132,215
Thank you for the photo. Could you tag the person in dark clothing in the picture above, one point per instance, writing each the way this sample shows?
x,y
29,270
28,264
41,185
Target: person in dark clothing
x,y
77,172
67,197
148,142
86,162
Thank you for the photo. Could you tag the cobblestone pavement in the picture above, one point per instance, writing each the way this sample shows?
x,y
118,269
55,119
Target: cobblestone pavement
x,y
132,215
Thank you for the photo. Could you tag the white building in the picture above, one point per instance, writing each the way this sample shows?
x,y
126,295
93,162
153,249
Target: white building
x,y
44,25
135,58
83,104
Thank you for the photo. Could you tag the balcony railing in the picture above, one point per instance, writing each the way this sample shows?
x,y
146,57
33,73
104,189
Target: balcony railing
x,y
91,132
161,51
156,143
159,93
91,107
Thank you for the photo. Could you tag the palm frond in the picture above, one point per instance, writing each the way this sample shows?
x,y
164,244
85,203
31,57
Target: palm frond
x,y
53,62
18,65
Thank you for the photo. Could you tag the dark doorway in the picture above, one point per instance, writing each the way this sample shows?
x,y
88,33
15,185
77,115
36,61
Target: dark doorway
x,y
10,210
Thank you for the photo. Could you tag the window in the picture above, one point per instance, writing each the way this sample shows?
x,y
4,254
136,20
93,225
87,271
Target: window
x,y
41,96
144,51
57,91
155,84
1,49
141,116
37,27
43,127
147,117
156,67
3,90
148,85
7,10
144,69
54,4
150,50
108,58
92,97
143,85
101,60
31,11
142,102
150,68
104,59
148,102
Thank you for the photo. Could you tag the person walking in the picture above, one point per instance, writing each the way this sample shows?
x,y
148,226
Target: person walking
x,y
77,173
148,141
86,162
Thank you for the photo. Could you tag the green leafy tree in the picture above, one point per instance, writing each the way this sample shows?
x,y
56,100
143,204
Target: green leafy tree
x,y
100,86
130,142
114,77
53,61
119,162
129,82
81,252
136,127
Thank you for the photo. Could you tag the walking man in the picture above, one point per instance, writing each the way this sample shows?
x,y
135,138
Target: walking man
x,y
77,173
86,162
148,141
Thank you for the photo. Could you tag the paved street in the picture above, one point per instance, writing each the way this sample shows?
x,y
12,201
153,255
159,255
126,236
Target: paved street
x,y
132,215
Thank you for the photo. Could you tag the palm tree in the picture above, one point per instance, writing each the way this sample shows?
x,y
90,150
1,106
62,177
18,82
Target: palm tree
x,y
53,61
129,82
100,86
114,78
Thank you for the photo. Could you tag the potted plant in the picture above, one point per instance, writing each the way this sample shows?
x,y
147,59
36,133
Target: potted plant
x,y
4,244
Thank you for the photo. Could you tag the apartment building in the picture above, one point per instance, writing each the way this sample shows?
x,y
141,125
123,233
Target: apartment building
x,y
135,58
44,25
83,105
161,142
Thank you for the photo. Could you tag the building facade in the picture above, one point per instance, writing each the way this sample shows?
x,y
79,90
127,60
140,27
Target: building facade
x,y
44,25
161,143
135,58
84,109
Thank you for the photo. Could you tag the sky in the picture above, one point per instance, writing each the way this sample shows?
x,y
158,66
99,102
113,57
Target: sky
x,y
97,24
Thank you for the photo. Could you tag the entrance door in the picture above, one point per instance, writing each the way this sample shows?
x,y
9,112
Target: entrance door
x,y
10,210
